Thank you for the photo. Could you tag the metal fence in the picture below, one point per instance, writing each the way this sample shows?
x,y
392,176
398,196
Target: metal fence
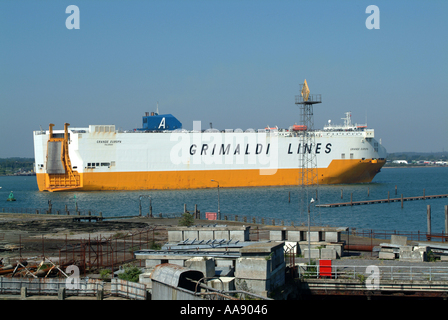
x,y
397,272
386,234
128,289
48,286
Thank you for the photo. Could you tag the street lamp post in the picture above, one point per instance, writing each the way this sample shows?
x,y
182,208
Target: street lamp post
x,y
219,211
309,231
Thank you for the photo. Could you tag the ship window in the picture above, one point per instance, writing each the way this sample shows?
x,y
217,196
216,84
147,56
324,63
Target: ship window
x,y
351,155
343,156
89,164
97,164
105,164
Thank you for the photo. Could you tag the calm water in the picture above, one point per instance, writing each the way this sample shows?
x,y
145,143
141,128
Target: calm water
x,y
267,202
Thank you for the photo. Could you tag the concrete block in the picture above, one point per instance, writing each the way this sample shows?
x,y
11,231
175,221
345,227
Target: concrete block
x,y
226,271
223,262
179,262
412,256
241,235
203,264
222,234
406,249
339,248
422,251
315,236
328,253
296,235
206,235
191,235
257,275
252,268
146,279
386,255
175,236
400,240
315,253
222,283
332,236
151,263
277,235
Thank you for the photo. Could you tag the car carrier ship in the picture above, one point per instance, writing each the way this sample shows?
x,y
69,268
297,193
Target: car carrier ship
x,y
162,155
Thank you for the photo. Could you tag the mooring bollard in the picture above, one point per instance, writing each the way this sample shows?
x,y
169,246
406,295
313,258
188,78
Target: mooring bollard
x,y
23,292
100,295
61,294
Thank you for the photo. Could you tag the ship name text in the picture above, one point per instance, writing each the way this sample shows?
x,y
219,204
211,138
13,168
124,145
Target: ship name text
x,y
225,149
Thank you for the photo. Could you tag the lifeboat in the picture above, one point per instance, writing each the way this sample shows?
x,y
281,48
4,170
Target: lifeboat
x,y
298,127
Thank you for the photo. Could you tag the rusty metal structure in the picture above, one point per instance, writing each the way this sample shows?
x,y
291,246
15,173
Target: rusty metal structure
x,y
89,254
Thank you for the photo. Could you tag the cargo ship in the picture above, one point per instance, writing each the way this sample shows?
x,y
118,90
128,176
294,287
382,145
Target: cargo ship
x,y
162,155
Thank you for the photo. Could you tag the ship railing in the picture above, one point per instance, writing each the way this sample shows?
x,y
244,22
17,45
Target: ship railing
x,y
311,98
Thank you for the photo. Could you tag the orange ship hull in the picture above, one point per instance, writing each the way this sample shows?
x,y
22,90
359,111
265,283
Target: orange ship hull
x,y
338,172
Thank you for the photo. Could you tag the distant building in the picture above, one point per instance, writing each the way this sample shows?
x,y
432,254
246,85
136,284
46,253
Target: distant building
x,y
400,161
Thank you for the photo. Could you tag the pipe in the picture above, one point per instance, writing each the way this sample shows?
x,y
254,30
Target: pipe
x,y
358,247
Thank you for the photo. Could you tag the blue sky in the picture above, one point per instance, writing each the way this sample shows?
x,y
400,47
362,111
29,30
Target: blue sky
x,y
237,64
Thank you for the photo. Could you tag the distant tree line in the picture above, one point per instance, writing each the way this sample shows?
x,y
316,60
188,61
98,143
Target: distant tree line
x,y
10,166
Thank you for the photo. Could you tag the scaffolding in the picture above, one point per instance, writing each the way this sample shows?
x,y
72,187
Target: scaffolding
x,y
308,173
89,254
